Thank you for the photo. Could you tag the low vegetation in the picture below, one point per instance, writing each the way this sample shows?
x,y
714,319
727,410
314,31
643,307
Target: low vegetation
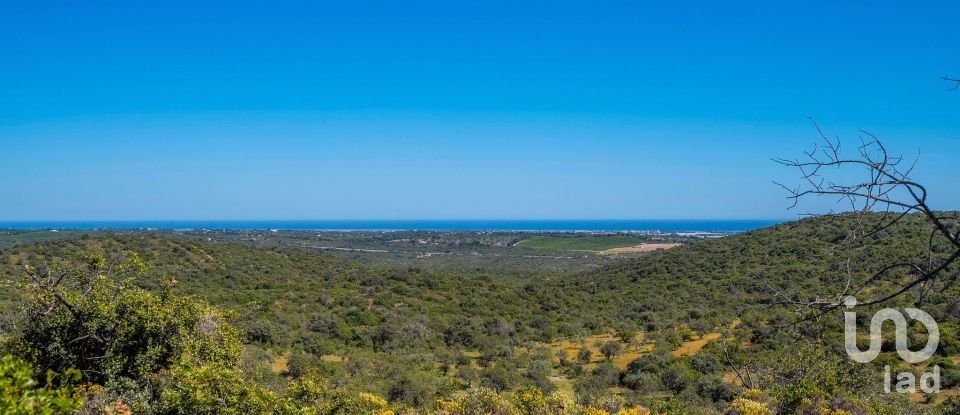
x,y
581,243
176,324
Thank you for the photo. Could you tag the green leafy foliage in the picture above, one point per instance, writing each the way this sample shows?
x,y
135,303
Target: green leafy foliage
x,y
580,243
20,394
291,330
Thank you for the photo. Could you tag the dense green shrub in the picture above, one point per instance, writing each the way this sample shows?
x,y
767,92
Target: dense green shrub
x,y
20,394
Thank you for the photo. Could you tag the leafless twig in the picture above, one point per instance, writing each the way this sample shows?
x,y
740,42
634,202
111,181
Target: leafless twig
x,y
956,82
886,195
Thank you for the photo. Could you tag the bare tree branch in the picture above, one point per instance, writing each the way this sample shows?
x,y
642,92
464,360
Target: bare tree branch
x,y
956,82
888,195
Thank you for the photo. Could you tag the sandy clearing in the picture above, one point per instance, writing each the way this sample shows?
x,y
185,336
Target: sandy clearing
x,y
638,249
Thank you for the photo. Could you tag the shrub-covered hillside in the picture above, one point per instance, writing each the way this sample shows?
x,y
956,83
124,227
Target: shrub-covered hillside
x,y
723,279
659,331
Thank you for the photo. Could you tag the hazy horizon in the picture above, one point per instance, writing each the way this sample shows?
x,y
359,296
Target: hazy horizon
x,y
506,225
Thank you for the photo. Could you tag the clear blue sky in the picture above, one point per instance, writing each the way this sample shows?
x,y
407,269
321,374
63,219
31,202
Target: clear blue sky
x,y
438,109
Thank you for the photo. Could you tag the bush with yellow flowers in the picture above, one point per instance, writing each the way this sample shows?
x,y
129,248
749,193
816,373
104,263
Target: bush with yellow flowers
x,y
526,401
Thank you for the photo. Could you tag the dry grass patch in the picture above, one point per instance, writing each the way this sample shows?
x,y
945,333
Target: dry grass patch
x,y
691,348
630,351
281,364
564,386
938,398
638,249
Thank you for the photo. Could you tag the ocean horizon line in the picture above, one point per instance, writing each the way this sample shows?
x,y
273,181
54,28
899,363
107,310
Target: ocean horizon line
x,y
515,225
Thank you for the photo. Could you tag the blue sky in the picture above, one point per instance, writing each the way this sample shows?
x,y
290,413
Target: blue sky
x,y
411,110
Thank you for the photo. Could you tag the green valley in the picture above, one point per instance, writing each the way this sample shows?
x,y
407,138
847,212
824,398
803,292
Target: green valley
x,y
649,331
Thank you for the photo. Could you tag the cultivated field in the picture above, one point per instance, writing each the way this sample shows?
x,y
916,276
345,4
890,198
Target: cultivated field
x,y
594,243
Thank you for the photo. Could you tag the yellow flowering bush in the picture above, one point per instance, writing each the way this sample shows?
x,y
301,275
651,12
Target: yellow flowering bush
x,y
744,406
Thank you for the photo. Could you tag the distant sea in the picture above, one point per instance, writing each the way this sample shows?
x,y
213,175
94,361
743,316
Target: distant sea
x,y
393,225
